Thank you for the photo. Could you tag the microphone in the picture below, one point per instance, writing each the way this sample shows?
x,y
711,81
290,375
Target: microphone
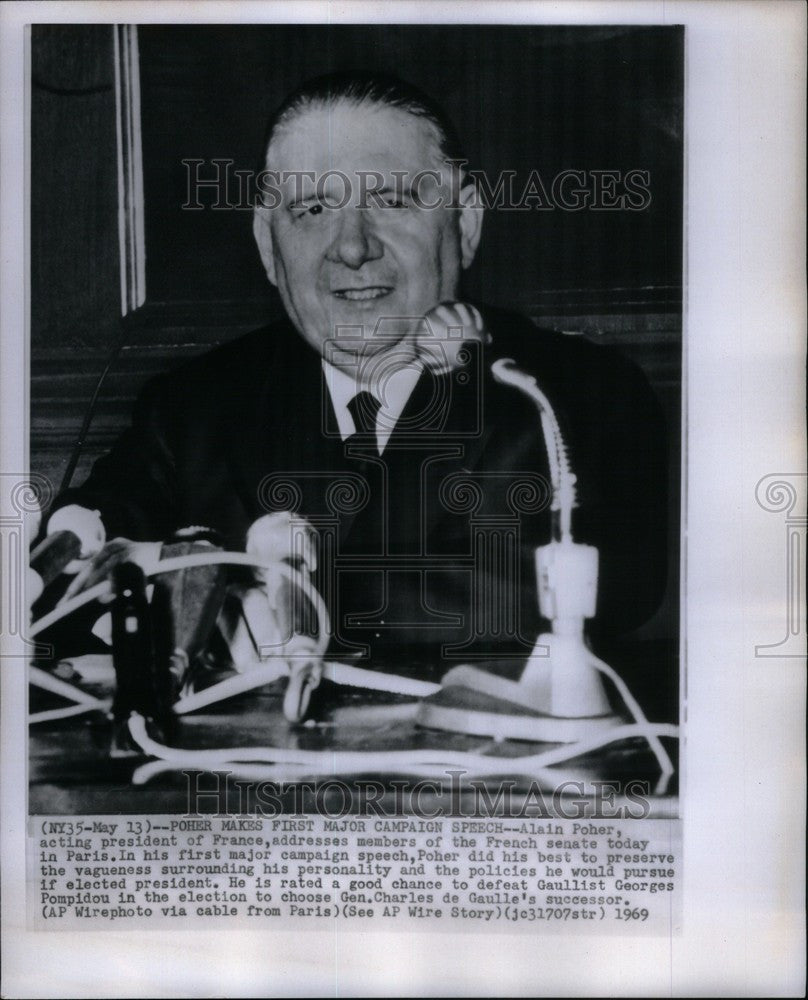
x,y
184,606
155,642
276,538
282,537
132,644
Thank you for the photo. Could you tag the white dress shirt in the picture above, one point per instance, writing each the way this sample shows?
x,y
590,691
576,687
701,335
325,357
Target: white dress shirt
x,y
392,394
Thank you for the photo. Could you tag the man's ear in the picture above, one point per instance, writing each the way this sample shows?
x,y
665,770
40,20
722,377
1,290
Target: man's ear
x,y
471,223
263,237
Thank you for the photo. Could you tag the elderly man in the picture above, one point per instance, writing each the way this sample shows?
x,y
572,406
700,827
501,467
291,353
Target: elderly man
x,y
427,481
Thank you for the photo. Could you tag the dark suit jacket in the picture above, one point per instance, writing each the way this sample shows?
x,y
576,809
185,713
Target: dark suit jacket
x,y
427,553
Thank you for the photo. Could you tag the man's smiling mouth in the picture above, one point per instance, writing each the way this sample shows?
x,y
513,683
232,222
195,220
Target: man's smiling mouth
x,y
362,294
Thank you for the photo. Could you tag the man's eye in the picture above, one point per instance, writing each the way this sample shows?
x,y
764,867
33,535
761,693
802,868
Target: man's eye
x,y
391,201
315,209
303,211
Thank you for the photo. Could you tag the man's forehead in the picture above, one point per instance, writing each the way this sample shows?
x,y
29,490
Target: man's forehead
x,y
354,137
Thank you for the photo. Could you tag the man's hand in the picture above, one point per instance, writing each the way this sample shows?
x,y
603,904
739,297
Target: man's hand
x,y
119,550
449,327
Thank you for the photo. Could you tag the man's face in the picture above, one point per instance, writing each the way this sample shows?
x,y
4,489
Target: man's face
x,y
365,240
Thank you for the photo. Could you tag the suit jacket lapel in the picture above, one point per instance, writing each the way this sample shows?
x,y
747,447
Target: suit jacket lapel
x,y
276,429
442,432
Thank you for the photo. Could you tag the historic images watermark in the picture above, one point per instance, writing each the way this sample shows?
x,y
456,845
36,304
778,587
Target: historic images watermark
x,y
227,793
785,493
23,497
217,184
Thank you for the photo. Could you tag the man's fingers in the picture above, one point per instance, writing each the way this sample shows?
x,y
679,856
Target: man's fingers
x,y
451,325
468,318
472,318
447,315
477,317
458,315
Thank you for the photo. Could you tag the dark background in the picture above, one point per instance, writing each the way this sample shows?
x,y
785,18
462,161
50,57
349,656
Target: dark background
x,y
544,99
522,98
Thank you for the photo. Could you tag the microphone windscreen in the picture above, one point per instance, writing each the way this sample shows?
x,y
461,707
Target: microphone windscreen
x,y
282,536
86,525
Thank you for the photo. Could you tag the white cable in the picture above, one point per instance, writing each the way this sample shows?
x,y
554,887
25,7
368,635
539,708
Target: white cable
x,y
66,713
371,759
409,761
375,680
650,732
210,695
63,610
55,685
229,688
252,772
563,481
549,779
339,673
353,676
188,562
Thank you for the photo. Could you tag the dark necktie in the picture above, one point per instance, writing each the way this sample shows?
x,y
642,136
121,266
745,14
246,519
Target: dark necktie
x,y
362,451
364,408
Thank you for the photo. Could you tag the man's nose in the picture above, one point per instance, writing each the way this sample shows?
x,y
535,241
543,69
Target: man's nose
x,y
354,241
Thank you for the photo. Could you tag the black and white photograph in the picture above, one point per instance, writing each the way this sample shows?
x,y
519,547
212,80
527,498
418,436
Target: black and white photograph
x,y
353,563
405,359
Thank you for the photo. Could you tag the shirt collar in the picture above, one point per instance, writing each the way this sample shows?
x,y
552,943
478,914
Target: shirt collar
x,y
393,395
